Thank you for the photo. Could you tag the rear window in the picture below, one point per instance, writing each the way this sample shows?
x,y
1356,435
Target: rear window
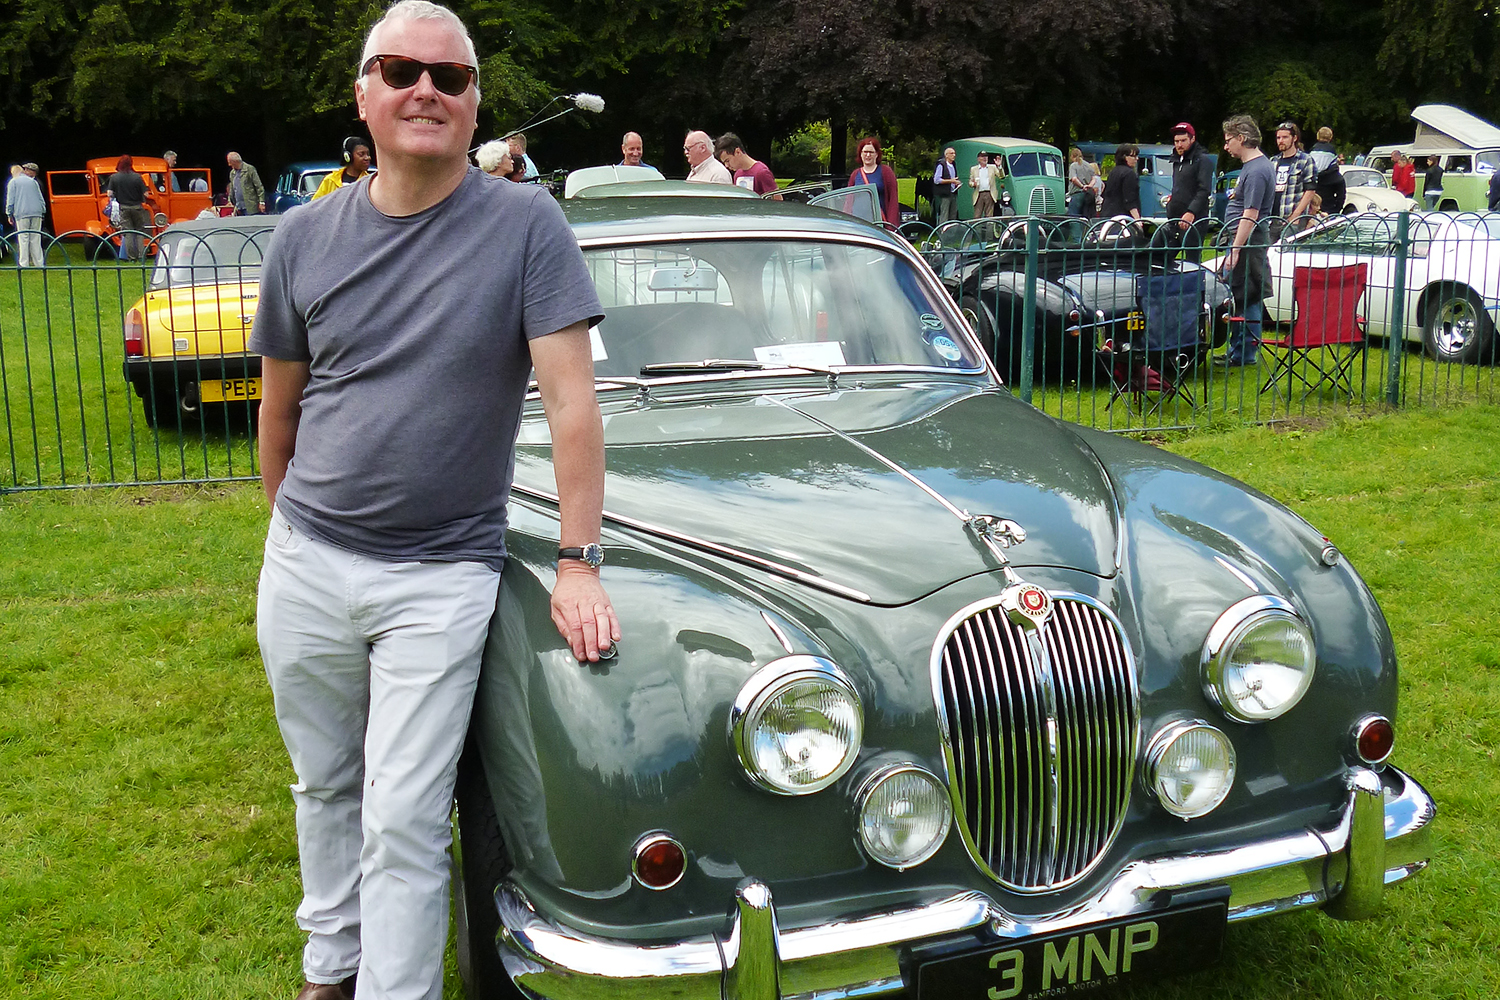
x,y
209,258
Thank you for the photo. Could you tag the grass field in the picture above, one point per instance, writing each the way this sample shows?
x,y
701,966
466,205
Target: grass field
x,y
146,833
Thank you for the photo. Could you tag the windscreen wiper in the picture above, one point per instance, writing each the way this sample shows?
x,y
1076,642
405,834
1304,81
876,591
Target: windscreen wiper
x,y
730,365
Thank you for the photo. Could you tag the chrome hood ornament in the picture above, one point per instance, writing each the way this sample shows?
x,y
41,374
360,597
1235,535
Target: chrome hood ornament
x,y
1025,604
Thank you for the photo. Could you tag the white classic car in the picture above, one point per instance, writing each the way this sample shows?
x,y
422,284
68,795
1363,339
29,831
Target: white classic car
x,y
1452,283
1367,190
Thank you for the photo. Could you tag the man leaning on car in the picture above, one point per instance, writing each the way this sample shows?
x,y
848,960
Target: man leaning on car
x,y
397,337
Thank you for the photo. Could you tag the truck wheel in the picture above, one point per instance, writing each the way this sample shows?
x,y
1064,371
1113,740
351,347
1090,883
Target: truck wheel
x,y
480,861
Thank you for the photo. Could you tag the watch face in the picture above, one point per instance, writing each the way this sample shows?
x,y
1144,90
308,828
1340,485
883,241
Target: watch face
x,y
593,554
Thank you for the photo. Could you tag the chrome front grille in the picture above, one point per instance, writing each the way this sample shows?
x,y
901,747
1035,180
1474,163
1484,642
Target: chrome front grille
x,y
1042,730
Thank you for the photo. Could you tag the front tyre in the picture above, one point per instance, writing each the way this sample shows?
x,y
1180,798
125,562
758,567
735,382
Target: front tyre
x,y
480,860
1457,328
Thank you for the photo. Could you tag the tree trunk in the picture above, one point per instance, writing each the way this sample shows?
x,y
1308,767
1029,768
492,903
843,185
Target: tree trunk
x,y
838,151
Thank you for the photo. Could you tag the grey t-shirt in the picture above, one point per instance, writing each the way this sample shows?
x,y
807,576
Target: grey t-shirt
x,y
1256,188
416,331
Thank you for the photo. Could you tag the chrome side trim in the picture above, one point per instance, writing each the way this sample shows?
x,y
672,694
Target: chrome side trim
x,y
860,957
816,582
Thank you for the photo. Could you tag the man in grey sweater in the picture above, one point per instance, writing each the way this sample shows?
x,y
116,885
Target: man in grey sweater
x,y
25,208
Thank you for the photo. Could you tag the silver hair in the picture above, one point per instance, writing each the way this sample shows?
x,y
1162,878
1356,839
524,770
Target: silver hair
x,y
1245,128
489,155
418,10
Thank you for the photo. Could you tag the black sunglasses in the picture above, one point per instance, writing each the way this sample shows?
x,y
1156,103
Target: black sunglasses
x,y
401,72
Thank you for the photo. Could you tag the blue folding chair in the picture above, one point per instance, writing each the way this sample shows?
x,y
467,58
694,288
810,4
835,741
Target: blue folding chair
x,y
1161,361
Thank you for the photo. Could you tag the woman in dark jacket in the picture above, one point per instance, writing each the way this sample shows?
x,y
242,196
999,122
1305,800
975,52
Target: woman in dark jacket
x,y
872,171
1432,183
1122,191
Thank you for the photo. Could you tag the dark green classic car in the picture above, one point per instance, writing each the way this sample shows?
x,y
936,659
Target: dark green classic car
x,y
921,690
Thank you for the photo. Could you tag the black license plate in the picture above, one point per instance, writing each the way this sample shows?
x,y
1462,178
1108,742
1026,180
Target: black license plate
x,y
1149,945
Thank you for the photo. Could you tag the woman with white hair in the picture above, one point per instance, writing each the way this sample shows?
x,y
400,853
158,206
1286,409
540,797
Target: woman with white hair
x,y
494,158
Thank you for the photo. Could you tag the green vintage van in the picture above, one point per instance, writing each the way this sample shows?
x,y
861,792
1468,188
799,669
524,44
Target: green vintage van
x,y
1034,174
1467,148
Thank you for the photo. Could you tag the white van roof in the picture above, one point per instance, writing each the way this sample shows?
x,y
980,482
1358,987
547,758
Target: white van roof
x,y
1442,128
1443,125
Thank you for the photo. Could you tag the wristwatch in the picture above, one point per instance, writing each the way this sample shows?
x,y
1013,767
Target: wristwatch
x,y
592,553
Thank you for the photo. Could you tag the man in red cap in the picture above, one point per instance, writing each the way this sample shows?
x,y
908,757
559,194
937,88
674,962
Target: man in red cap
x,y
1192,186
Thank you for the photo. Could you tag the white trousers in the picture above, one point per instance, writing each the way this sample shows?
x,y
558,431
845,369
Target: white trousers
x,y
373,667
29,241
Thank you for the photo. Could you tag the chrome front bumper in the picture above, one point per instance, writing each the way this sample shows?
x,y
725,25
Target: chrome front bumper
x,y
1382,837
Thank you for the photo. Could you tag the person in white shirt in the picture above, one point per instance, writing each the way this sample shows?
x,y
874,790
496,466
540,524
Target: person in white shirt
x,y
706,169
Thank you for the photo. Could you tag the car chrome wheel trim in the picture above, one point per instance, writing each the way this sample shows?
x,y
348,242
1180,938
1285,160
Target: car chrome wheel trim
x,y
763,687
1456,325
1164,740
873,783
1223,641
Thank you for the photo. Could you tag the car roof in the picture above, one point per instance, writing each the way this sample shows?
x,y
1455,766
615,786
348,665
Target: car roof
x,y
303,166
1004,144
608,173
233,223
666,189
1101,149
613,218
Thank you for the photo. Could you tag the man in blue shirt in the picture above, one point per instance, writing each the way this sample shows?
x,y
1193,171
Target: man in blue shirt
x,y
1245,261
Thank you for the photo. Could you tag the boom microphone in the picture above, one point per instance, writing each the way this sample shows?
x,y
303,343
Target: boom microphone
x,y
588,102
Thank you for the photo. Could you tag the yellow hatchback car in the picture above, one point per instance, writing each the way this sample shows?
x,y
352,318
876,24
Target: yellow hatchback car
x,y
185,338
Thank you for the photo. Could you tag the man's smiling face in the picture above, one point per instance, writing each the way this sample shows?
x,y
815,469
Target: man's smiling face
x,y
420,121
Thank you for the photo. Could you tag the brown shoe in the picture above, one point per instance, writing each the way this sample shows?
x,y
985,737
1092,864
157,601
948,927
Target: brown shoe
x,y
328,991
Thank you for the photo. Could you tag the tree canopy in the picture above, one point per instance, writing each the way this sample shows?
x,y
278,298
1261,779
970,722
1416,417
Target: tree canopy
x,y
274,72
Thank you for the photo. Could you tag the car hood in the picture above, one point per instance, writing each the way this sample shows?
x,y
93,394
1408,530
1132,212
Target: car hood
x,y
840,485
1386,198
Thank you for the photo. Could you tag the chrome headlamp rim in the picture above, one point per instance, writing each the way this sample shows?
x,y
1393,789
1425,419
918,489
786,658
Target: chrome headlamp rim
x,y
1224,636
763,687
1157,748
878,776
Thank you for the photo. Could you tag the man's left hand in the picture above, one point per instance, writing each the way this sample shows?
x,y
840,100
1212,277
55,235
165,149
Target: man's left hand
x,y
582,612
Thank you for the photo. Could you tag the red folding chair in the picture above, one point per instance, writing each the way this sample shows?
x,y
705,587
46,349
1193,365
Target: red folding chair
x,y
1328,334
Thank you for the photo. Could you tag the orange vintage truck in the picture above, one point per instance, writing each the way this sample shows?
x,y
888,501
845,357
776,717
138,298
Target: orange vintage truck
x,y
78,198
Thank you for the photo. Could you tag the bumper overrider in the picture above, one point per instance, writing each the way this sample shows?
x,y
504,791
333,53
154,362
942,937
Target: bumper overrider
x,y
1382,837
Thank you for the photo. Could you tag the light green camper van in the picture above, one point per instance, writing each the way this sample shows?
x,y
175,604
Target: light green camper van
x,y
1034,174
1467,148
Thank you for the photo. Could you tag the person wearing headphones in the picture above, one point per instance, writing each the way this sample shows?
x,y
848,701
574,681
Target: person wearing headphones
x,y
356,165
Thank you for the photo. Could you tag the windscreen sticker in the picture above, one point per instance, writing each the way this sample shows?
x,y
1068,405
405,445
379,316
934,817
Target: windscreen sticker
x,y
596,342
945,347
821,354
930,321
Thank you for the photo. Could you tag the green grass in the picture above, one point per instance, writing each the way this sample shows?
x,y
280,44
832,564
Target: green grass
x,y
146,833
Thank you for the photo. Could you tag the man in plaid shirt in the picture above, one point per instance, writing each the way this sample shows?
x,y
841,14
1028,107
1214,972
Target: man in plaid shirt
x,y
1294,174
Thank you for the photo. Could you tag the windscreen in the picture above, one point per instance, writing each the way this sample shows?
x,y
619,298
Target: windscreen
x,y
766,303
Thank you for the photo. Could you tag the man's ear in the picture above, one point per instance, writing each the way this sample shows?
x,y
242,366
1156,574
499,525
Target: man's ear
x,y
359,97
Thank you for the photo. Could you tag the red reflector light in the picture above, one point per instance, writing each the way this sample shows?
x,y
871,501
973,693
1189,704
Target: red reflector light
x,y
659,861
135,334
1374,739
